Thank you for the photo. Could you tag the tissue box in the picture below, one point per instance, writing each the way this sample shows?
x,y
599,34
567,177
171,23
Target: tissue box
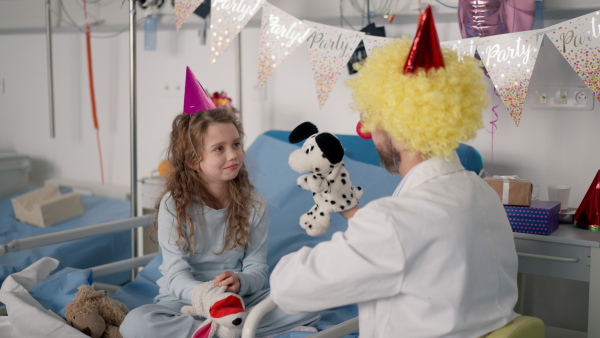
x,y
46,206
540,218
515,192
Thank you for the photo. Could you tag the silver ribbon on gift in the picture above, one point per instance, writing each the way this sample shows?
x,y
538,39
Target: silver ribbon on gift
x,y
506,185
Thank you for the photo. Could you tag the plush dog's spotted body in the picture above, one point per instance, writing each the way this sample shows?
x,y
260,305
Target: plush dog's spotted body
x,y
331,188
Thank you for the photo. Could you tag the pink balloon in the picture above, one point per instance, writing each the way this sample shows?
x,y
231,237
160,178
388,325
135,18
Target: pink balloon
x,y
491,17
481,18
519,15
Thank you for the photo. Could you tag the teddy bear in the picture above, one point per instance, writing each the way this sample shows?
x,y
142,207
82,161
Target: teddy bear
x,y
95,314
225,312
321,156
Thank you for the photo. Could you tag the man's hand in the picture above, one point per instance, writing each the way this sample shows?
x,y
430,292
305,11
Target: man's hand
x,y
229,279
348,213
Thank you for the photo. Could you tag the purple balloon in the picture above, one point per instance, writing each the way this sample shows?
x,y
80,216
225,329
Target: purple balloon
x,y
481,17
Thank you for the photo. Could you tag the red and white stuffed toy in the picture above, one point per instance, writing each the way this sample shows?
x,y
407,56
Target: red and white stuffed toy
x,y
225,312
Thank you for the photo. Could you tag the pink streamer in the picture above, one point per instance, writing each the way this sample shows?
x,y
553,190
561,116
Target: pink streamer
x,y
493,123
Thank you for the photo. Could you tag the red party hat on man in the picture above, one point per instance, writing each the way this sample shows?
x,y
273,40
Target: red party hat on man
x,y
426,51
195,99
587,215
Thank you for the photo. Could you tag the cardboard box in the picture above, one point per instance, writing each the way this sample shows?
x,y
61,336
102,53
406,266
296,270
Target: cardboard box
x,y
540,218
514,191
46,206
14,173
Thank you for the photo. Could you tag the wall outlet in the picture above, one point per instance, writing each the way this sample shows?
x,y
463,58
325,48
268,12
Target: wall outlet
x,y
560,98
581,97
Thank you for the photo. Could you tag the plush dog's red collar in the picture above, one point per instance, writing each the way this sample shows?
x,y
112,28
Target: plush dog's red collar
x,y
226,306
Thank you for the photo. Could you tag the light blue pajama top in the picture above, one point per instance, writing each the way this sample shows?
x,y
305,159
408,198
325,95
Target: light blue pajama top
x,y
182,272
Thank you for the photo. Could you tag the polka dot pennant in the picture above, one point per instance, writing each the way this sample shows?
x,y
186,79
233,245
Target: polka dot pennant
x,y
280,35
183,9
228,17
578,40
371,42
329,49
509,60
464,47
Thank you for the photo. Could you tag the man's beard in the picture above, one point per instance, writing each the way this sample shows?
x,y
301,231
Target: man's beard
x,y
389,157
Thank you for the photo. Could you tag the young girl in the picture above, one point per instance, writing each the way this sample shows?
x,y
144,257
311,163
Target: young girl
x,y
212,225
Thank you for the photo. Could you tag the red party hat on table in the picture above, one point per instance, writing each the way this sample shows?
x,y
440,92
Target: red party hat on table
x,y
426,51
587,215
195,99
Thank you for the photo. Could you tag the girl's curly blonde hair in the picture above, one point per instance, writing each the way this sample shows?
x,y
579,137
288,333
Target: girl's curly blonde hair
x,y
430,112
186,187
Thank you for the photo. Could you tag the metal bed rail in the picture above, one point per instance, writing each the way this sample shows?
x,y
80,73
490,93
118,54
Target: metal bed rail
x,y
74,234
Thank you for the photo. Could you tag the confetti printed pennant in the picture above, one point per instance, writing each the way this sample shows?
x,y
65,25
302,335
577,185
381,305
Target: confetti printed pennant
x,y
509,60
183,9
280,35
371,42
578,40
329,49
228,17
464,47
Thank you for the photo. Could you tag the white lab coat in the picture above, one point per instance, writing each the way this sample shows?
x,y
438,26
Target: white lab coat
x,y
437,259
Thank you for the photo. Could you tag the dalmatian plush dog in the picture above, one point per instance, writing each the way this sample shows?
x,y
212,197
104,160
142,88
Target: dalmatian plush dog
x,y
321,155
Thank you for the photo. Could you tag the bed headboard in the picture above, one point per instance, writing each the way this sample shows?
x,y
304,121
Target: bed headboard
x,y
91,188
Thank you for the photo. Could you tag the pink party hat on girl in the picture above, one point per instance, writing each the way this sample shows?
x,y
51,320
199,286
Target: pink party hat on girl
x,y
195,99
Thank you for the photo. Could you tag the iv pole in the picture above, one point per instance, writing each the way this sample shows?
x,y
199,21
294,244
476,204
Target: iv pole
x,y
133,123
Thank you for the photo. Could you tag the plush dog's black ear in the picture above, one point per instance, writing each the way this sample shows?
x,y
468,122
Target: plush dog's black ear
x,y
302,132
331,147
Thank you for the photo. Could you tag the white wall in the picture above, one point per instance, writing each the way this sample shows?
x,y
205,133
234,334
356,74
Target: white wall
x,y
548,146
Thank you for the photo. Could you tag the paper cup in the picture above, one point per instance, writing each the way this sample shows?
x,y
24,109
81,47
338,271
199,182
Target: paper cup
x,y
559,193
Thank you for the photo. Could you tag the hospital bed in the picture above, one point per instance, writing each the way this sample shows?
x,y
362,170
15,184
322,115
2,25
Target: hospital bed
x,y
266,160
101,204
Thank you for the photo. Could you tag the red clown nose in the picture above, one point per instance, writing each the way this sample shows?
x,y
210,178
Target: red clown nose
x,y
360,133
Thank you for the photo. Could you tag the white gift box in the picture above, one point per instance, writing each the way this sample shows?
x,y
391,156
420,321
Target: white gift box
x,y
46,206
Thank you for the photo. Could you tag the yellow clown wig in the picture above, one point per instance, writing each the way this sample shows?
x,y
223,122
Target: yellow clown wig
x,y
430,112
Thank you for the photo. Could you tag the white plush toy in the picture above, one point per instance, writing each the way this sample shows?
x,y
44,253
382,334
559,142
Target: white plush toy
x,y
225,312
321,155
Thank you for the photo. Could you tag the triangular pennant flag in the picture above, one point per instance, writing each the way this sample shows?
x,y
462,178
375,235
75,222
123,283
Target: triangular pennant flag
x,y
587,215
227,20
463,47
371,42
329,49
280,35
183,9
195,98
509,60
578,40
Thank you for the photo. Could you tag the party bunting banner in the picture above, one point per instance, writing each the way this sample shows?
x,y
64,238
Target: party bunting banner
x,y
464,47
228,17
509,60
183,9
329,49
372,41
578,40
280,35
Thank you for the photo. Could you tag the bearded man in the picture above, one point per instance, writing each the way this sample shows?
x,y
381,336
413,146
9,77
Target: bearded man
x,y
437,258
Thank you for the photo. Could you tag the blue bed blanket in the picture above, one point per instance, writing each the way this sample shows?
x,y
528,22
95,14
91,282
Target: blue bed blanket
x,y
83,253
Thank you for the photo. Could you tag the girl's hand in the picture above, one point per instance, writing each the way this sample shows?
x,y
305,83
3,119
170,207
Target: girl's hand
x,y
229,279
